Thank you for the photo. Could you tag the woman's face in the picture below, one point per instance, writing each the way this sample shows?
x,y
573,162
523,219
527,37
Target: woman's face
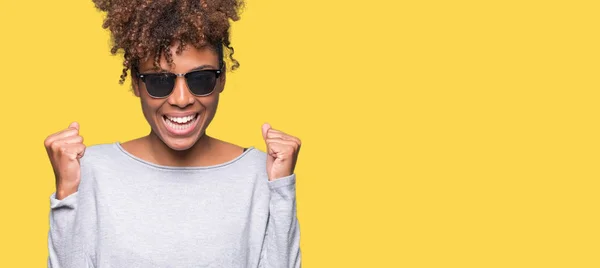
x,y
180,119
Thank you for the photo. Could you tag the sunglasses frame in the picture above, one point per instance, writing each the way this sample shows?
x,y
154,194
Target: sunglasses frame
x,y
142,76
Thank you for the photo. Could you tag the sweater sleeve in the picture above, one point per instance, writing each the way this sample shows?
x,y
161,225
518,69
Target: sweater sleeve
x,y
73,227
61,236
282,239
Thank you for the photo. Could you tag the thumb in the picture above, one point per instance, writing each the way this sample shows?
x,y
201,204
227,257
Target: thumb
x,y
265,129
74,125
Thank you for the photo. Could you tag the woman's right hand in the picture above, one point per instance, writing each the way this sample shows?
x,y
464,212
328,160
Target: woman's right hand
x,y
65,148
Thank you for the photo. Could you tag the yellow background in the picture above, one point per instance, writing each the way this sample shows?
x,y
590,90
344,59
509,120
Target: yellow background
x,y
435,133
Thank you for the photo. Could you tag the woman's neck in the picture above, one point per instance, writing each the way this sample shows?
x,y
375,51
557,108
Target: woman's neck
x,y
164,155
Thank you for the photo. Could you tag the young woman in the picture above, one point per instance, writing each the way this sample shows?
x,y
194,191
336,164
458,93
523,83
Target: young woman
x,y
176,197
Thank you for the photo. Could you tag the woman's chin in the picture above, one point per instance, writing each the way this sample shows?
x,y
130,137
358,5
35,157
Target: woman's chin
x,y
180,144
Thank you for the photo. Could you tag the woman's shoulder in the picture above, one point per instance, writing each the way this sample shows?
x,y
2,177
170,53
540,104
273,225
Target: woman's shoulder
x,y
250,155
101,149
98,153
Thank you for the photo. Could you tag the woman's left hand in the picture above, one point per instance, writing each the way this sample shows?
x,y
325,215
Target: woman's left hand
x,y
282,152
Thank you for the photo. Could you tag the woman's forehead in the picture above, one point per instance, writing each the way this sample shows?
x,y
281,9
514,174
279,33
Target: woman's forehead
x,y
190,58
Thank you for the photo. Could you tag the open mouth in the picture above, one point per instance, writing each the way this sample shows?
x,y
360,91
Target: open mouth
x,y
180,125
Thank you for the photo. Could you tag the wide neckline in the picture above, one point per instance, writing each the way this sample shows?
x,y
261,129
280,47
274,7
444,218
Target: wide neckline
x,y
154,165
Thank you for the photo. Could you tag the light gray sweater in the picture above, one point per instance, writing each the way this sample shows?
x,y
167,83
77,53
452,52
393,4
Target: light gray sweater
x,y
130,213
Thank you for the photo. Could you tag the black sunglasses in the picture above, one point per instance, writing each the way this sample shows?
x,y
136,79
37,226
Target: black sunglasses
x,y
200,83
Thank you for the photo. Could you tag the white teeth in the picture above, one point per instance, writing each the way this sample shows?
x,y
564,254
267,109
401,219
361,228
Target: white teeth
x,y
187,121
181,120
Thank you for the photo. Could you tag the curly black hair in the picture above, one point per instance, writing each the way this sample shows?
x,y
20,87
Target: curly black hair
x,y
141,28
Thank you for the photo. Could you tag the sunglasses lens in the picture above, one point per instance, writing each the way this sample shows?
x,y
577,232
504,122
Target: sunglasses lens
x,y
159,85
201,82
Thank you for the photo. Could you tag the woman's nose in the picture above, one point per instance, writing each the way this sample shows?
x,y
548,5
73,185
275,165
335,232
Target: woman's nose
x,y
181,95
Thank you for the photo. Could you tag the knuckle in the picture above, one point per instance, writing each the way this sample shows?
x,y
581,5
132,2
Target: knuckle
x,y
55,146
47,142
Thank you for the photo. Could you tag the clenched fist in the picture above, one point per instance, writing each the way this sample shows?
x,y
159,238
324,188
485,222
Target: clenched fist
x,y
282,152
65,148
